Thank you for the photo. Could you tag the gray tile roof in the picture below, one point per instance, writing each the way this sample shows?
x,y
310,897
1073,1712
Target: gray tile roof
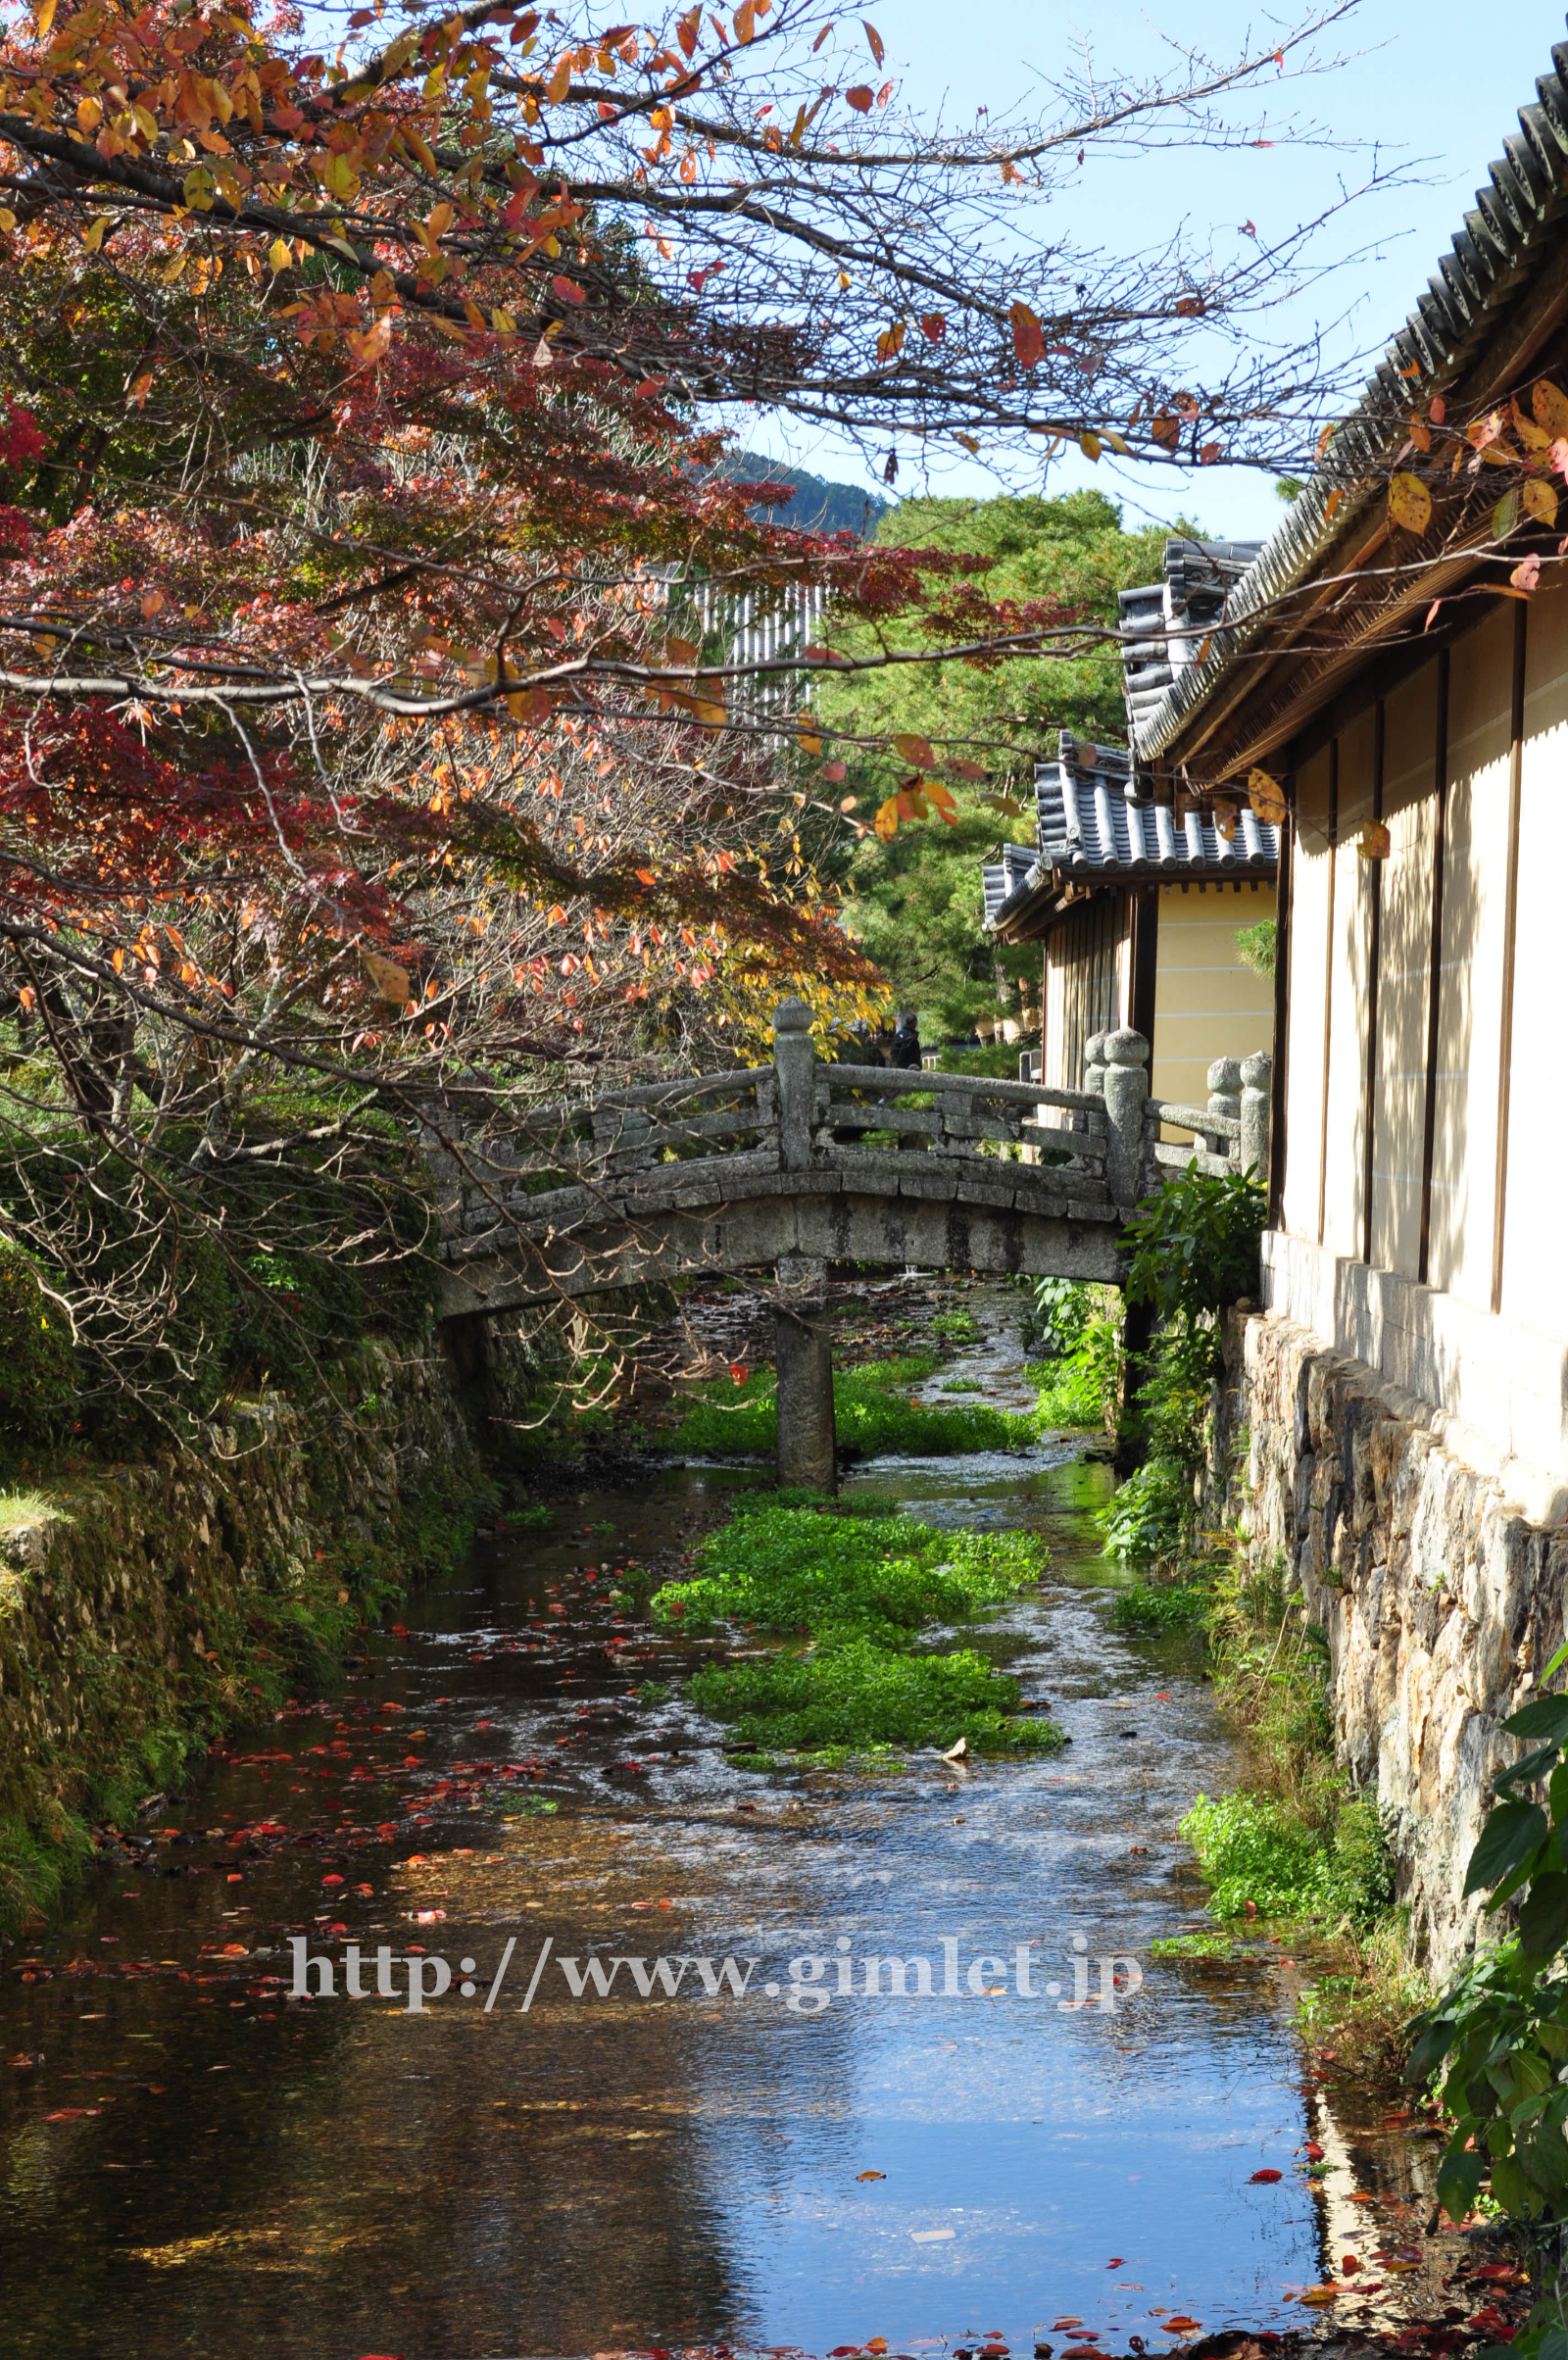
x,y
1517,215
1164,625
1010,874
1092,830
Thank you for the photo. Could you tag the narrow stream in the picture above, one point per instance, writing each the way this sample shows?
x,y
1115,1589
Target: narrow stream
x,y
196,2163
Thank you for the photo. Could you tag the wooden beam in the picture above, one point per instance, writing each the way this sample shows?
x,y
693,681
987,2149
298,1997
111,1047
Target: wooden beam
x,y
1440,834
1369,1120
1327,986
1510,917
1146,953
1284,893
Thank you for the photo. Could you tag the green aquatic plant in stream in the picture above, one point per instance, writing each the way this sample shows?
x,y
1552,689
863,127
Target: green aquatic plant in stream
x,y
872,1410
800,1569
851,1694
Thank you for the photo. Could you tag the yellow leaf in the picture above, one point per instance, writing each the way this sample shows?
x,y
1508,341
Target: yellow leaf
x,y
46,17
885,821
389,979
1534,438
89,114
1551,406
1540,501
1089,444
1374,840
560,82
280,254
970,442
942,796
1409,504
807,741
915,749
681,651
92,237
891,342
1266,798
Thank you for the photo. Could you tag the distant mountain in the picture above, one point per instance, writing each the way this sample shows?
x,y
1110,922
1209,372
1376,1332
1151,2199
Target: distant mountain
x,y
819,505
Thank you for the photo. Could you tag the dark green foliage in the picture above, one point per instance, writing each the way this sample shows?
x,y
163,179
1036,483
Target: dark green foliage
x,y
872,1409
37,1363
1254,1848
1194,1253
1499,2038
1194,1246
918,899
1161,1606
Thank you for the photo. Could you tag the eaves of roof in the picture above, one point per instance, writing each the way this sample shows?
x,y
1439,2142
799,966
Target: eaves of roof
x,y
1455,321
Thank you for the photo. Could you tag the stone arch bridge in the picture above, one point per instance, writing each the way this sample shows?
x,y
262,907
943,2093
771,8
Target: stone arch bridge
x,y
800,1162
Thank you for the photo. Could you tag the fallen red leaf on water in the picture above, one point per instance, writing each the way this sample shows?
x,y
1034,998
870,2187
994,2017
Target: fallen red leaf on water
x,y
877,2344
1181,2325
1116,2262
1312,2151
1268,2175
331,1880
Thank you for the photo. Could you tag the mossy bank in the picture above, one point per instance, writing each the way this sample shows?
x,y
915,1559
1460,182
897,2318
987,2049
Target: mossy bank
x,y
146,1607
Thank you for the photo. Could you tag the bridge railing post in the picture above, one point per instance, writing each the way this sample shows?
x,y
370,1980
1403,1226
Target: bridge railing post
x,y
1126,1089
1224,1097
1257,1092
795,1064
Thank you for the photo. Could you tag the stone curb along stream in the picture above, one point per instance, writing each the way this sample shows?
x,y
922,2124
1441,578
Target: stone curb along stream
x,y
154,1603
1440,1601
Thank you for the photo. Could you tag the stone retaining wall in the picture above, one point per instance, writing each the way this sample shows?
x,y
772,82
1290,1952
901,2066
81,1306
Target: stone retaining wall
x,y
149,1605
1440,1603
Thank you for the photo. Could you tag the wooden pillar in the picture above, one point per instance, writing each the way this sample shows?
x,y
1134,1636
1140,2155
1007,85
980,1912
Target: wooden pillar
x,y
1439,835
1369,1115
1145,954
1510,921
1284,893
1327,986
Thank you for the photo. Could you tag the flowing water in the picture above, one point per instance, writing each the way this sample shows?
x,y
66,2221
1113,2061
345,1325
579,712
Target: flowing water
x,y
192,2161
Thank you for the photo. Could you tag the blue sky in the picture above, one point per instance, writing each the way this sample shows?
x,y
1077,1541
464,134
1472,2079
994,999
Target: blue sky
x,y
1436,87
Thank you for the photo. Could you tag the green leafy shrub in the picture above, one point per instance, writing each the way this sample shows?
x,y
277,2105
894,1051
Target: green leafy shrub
x,y
1254,1848
851,1694
1257,947
1194,1246
1499,2038
37,1363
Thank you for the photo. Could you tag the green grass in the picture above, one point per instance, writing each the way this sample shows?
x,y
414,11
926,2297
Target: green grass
x,y
1162,1606
873,1411
1192,1945
854,1694
1254,1848
19,1508
799,1569
957,1327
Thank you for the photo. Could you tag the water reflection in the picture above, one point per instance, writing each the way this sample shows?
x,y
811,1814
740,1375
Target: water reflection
x,y
195,2164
